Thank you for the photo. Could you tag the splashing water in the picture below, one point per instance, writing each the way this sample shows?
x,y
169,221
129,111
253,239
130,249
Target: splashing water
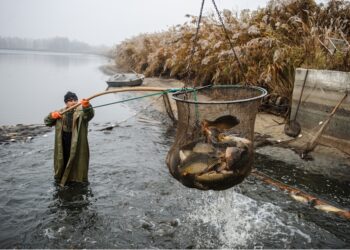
x,y
243,222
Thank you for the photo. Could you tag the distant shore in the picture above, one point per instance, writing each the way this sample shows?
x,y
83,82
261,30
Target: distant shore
x,y
55,51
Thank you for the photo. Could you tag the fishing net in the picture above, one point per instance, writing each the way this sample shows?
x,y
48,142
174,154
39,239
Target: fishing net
x,y
213,148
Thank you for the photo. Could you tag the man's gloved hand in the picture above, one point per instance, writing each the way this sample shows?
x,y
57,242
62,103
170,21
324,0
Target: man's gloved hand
x,y
85,103
56,115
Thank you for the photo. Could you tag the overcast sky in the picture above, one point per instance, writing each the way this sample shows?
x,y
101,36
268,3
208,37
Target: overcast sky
x,y
100,22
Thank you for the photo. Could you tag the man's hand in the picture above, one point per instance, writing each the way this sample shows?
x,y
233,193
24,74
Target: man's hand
x,y
56,115
85,103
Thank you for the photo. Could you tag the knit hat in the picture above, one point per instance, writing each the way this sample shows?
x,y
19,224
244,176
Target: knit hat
x,y
70,96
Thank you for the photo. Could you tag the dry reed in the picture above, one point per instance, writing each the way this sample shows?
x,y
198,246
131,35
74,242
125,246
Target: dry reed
x,y
269,42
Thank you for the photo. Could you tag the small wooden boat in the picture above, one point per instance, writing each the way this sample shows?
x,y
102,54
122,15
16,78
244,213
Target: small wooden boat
x,y
125,80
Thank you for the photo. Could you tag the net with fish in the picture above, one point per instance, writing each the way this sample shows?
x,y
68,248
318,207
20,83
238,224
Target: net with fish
x,y
213,148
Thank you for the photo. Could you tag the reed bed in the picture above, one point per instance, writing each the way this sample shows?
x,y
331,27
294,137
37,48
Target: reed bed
x,y
269,42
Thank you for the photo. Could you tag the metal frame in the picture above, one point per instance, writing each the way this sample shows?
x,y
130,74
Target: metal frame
x,y
262,90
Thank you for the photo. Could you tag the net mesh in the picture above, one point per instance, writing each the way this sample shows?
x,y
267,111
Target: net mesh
x,y
213,147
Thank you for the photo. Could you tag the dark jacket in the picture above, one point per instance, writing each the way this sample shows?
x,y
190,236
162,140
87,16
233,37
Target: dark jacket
x,y
78,163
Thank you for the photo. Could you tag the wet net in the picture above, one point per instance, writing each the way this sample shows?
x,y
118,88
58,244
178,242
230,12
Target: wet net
x,y
213,147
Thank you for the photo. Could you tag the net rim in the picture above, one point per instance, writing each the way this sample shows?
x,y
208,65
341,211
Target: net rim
x,y
262,90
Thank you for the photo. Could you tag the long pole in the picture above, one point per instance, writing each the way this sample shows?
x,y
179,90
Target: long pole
x,y
117,91
312,144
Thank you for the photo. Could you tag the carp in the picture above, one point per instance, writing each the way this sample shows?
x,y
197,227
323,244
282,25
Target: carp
x,y
198,164
221,123
234,140
213,176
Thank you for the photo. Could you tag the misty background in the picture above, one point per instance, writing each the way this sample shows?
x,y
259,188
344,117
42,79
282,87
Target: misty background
x,y
95,26
89,24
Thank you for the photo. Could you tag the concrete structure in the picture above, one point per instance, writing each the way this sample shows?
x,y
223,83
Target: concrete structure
x,y
322,92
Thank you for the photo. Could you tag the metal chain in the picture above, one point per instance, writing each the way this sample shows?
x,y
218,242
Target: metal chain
x,y
229,40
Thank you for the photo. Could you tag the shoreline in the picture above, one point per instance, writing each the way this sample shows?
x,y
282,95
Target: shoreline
x,y
269,128
269,138
22,132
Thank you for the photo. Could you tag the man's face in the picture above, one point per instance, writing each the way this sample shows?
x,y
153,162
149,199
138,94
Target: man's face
x,y
71,102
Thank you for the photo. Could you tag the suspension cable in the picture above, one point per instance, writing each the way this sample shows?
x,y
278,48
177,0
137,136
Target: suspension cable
x,y
229,40
194,42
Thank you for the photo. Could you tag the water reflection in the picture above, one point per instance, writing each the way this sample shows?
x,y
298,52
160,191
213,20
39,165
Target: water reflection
x,y
40,80
51,59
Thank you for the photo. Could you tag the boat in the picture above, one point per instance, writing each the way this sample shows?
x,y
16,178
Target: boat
x,y
125,80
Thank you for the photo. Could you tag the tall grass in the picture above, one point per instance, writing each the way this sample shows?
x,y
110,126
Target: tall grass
x,y
270,43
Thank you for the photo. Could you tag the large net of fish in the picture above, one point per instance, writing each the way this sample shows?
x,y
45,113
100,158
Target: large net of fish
x,y
213,147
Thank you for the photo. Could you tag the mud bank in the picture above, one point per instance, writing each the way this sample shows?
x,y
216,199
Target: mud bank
x,y
21,132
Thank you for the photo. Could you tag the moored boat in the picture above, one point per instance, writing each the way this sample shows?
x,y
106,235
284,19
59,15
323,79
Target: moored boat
x,y
125,80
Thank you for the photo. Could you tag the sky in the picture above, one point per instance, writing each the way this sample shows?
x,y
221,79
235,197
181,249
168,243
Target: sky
x,y
102,22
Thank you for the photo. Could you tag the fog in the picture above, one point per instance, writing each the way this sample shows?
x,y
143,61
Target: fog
x,y
102,22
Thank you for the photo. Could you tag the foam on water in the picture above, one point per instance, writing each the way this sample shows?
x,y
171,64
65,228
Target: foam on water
x,y
49,233
242,222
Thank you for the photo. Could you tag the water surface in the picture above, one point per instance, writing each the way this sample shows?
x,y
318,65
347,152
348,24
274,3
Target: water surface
x,y
132,201
32,84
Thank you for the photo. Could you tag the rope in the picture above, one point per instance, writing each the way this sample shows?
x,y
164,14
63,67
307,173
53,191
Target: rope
x,y
134,115
130,99
194,42
161,93
229,40
191,58
196,107
148,95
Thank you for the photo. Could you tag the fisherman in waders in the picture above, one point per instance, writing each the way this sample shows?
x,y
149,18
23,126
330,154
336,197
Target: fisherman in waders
x,y
71,155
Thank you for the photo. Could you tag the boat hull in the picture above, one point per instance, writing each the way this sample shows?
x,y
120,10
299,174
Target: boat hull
x,y
137,82
125,80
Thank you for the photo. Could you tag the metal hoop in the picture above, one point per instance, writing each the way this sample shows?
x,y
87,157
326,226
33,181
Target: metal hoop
x,y
263,93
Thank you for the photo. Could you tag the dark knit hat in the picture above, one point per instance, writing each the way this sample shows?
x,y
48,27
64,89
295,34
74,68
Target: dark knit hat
x,y
70,96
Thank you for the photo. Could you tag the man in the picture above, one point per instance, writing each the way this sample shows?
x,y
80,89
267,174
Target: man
x,y
71,154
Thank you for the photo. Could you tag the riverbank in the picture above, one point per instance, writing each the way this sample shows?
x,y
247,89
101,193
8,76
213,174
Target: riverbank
x,y
21,132
269,128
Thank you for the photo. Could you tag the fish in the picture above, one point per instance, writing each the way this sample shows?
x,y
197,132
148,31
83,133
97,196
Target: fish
x,y
222,123
213,176
199,147
198,164
211,134
299,198
329,208
183,154
232,155
203,148
237,158
239,141
222,166
211,129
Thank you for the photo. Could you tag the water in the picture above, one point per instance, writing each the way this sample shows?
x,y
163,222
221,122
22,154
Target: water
x,y
34,83
131,200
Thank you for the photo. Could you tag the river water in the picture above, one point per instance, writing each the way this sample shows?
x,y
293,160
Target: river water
x,y
132,201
